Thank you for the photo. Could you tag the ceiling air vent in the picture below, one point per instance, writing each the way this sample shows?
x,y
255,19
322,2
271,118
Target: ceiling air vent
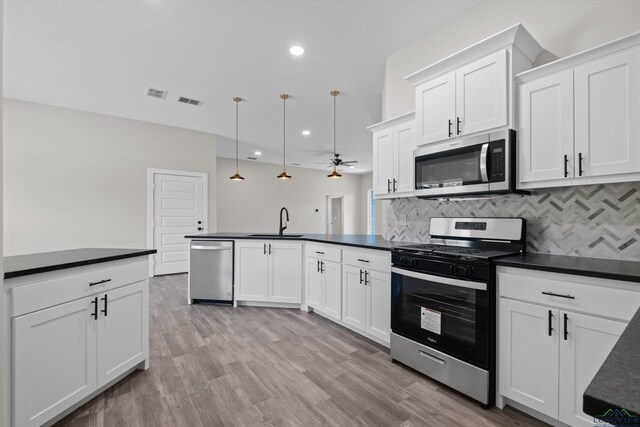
x,y
156,93
189,101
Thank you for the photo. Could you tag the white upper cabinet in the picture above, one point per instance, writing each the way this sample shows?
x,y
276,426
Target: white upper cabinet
x,y
481,94
472,91
546,128
577,118
607,108
436,107
383,155
393,144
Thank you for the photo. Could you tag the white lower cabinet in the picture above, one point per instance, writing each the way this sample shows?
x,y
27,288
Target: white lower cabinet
x,y
588,343
351,286
332,286
529,355
324,287
549,350
268,271
123,325
367,301
65,353
54,361
354,297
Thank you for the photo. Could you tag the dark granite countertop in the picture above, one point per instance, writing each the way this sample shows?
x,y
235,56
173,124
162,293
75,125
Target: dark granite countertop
x,y
23,265
357,240
616,385
594,267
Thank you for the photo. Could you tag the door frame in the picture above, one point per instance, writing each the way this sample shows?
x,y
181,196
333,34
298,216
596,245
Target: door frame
x,y
328,209
151,172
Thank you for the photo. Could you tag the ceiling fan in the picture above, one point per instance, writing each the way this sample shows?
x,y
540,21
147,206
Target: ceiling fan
x,y
338,162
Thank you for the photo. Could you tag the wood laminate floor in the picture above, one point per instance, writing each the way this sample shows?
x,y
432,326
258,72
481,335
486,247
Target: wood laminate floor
x,y
215,365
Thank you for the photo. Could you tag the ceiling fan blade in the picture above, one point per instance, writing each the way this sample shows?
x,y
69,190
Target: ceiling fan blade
x,y
349,161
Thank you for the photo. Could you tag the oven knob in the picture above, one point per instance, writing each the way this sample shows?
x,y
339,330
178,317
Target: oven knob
x,y
452,269
404,261
414,262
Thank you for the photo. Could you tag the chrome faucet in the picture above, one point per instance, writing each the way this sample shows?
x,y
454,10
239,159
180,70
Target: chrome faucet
x,y
282,228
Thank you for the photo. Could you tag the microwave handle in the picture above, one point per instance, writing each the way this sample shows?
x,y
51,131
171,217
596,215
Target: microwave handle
x,y
484,162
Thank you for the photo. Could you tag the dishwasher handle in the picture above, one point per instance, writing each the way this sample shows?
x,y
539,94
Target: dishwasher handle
x,y
211,248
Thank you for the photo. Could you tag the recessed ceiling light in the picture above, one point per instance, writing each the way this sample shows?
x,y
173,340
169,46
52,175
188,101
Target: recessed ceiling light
x,y
258,153
296,50
306,132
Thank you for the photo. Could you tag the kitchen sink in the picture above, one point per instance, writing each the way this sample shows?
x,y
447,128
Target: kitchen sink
x,y
275,235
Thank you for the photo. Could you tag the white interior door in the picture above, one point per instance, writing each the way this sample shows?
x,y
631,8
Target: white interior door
x,y
335,215
179,209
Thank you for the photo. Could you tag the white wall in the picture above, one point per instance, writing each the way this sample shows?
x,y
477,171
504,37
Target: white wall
x,y
562,27
254,204
74,179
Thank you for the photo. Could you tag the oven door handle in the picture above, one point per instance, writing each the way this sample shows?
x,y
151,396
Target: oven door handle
x,y
481,286
484,162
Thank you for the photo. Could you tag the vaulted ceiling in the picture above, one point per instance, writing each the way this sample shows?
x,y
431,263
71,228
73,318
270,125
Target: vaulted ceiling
x,y
100,56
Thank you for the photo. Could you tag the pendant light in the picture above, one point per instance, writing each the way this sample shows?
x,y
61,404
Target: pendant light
x,y
284,174
237,176
334,174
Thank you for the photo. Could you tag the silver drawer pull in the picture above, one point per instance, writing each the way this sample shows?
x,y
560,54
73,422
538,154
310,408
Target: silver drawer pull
x,y
363,260
558,295
100,282
432,357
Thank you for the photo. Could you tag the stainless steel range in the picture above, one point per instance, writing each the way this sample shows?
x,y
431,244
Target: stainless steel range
x,y
443,301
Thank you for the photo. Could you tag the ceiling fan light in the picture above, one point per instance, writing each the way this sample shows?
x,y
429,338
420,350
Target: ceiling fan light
x,y
334,174
284,175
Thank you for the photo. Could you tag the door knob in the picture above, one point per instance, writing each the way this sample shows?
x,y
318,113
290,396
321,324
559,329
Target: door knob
x,y
199,228
199,222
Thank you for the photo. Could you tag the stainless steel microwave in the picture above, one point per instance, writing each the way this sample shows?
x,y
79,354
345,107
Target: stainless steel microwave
x,y
479,166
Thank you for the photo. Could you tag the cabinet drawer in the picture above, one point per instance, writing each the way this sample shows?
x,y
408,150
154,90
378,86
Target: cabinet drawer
x,y
374,260
327,253
598,297
74,283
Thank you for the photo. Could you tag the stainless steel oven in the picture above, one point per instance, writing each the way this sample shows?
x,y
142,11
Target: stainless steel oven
x,y
478,166
443,301
446,314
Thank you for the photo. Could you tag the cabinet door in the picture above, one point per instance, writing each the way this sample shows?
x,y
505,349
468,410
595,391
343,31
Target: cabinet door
x,y
332,282
251,269
436,109
481,94
54,361
285,272
589,341
607,107
546,128
404,139
378,302
353,297
123,330
314,284
529,355
383,159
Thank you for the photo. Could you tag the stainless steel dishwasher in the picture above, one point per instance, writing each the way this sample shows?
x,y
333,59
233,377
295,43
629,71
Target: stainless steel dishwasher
x,y
211,271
